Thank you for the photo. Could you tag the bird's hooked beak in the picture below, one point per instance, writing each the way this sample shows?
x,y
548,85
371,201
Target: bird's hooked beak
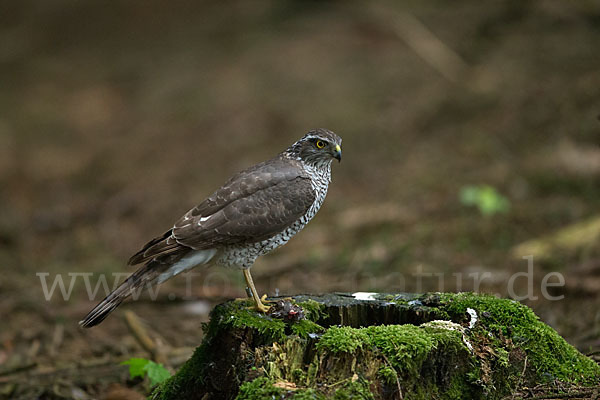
x,y
337,153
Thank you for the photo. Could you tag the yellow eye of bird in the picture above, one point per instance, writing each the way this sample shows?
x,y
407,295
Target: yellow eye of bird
x,y
320,144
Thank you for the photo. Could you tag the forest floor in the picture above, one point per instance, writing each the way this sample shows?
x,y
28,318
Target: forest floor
x,y
114,121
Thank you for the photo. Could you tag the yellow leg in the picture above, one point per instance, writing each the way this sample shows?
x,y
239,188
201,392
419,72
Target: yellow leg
x,y
258,305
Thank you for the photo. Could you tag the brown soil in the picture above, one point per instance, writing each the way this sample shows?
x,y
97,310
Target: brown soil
x,y
116,119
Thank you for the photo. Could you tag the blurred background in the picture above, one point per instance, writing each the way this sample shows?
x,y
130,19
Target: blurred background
x,y
470,137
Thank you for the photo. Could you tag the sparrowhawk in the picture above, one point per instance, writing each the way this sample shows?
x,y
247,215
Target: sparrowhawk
x,y
256,211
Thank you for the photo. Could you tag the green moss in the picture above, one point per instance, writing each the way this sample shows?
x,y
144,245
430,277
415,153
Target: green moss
x,y
462,387
305,327
388,375
298,375
308,394
354,390
502,357
405,346
259,389
313,311
237,314
547,352
403,350
343,339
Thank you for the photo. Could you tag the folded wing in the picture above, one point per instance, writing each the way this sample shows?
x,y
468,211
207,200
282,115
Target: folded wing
x,y
254,205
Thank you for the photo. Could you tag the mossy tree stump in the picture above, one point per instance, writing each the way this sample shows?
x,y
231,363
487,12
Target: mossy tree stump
x,y
378,346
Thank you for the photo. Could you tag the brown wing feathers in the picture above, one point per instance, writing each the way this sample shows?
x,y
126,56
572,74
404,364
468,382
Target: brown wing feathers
x,y
159,248
249,219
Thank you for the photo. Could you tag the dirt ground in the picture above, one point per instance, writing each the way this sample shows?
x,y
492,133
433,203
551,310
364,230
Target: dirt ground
x,y
117,118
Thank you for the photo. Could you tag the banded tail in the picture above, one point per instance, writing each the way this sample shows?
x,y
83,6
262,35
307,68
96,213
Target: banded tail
x,y
153,272
135,281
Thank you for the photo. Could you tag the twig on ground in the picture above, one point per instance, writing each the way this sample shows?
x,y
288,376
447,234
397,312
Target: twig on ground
x,y
17,369
139,332
57,339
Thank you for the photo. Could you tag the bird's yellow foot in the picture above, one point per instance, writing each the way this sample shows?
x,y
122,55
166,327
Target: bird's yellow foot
x,y
264,299
260,307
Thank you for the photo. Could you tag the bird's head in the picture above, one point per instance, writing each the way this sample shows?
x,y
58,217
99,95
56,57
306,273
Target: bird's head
x,y
318,147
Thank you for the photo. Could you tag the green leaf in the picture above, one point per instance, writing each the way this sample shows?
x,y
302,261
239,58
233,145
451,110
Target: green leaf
x,y
486,198
156,372
137,366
